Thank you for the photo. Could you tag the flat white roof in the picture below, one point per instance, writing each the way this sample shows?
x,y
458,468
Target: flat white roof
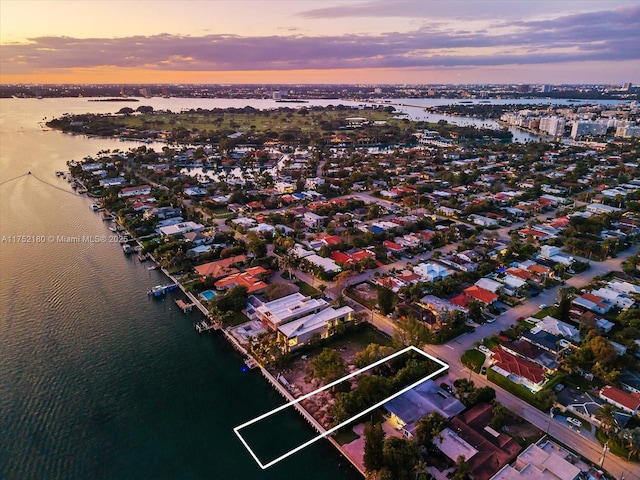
x,y
537,463
294,305
453,446
312,322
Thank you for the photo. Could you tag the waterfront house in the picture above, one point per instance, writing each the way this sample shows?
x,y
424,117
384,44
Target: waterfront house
x,y
322,324
251,279
181,228
286,309
219,268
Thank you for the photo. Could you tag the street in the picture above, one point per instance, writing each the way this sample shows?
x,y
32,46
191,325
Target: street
x,y
452,351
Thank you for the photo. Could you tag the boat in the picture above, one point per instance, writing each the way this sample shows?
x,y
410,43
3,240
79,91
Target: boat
x,y
126,248
160,290
155,266
95,207
113,229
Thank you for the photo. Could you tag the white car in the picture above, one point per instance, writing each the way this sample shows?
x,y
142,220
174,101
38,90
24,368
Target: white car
x,y
543,306
574,421
484,349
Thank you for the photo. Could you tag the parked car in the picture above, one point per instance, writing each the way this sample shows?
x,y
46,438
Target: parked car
x,y
483,348
483,370
543,306
574,421
446,387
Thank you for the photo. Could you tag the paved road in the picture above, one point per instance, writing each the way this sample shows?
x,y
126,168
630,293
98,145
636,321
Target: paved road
x,y
451,352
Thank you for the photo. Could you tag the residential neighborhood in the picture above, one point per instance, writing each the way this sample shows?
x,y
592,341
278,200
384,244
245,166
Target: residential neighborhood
x,y
516,264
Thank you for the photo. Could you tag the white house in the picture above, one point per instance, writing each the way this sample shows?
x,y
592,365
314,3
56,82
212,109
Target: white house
x,y
312,220
299,332
489,284
131,191
181,228
618,299
431,272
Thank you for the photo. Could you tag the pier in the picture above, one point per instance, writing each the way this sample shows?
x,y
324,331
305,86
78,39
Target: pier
x,y
185,307
203,326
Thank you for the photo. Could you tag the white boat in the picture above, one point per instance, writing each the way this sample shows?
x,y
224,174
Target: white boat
x,y
95,207
126,248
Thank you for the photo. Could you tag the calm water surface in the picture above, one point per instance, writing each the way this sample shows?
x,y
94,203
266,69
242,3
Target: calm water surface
x,y
96,380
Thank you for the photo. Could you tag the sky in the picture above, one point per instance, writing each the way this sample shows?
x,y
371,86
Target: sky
x,y
320,41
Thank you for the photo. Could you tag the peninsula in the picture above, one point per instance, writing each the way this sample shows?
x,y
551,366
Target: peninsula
x,y
320,240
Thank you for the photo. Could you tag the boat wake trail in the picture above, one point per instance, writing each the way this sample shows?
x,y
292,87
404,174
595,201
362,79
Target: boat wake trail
x,y
14,178
51,184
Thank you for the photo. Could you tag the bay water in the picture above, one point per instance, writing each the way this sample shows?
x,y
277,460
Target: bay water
x,y
98,381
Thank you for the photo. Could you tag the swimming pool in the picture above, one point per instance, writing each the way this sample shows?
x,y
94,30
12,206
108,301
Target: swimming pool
x,y
208,295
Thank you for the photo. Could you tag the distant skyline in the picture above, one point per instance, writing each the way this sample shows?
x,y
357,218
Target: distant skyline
x,y
333,41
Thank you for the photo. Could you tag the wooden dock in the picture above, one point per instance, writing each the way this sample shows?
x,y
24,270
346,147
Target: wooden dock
x,y
203,326
185,307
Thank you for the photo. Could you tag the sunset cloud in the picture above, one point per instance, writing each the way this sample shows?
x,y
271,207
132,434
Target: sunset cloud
x,y
440,38
606,35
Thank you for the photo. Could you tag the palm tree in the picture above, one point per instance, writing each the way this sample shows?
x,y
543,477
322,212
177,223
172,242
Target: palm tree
x,y
462,469
605,415
631,439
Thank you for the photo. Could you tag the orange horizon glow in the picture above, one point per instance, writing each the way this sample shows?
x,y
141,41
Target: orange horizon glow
x,y
147,76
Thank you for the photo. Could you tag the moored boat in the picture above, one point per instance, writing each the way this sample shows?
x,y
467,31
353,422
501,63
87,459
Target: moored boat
x,y
160,290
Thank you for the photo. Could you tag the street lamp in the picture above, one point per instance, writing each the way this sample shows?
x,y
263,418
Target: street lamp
x,y
605,449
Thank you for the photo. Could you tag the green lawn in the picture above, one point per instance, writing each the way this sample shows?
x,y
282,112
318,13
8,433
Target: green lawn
x,y
517,389
474,359
345,435
308,290
362,335
237,319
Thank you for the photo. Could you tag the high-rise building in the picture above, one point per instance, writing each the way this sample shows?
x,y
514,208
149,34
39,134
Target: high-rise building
x,y
583,129
553,126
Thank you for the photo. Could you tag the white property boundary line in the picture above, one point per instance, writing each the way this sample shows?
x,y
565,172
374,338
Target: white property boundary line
x,y
237,429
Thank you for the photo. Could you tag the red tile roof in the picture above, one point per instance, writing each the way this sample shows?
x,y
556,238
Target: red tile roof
x,y
494,452
460,300
480,294
594,299
518,272
628,399
341,257
219,268
393,246
249,279
517,366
